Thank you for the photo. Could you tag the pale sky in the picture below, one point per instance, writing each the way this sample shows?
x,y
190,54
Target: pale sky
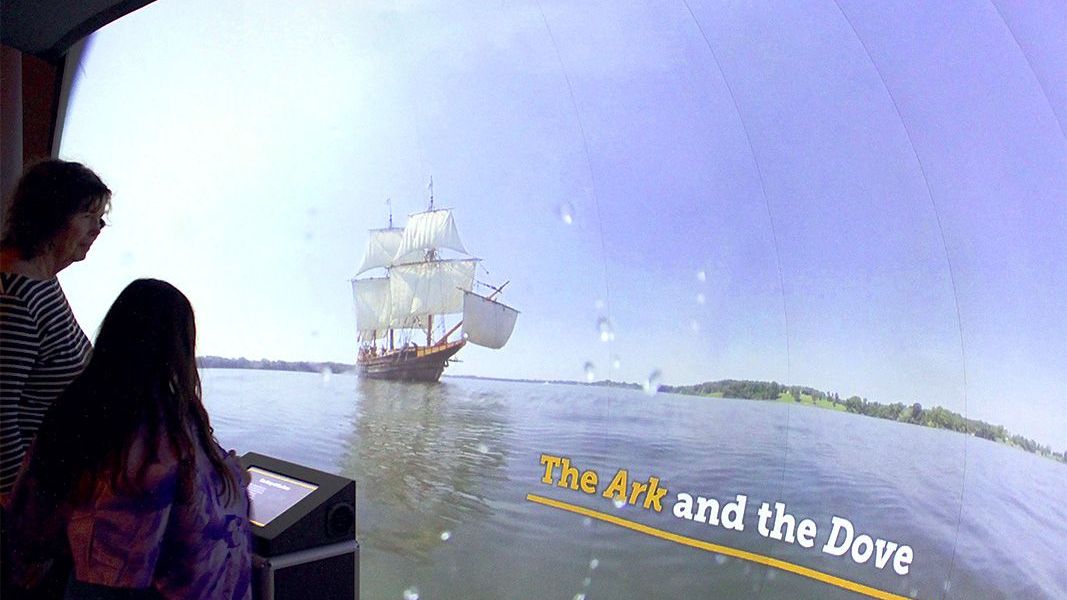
x,y
864,198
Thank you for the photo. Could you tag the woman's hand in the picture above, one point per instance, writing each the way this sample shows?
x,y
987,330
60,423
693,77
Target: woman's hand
x,y
245,477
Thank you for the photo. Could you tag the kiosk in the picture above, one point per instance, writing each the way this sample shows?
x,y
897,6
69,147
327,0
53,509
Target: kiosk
x,y
304,530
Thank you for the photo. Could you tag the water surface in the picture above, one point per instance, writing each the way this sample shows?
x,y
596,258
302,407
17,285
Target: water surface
x,y
443,470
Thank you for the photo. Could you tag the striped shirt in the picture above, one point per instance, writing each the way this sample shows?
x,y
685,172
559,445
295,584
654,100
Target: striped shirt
x,y
42,349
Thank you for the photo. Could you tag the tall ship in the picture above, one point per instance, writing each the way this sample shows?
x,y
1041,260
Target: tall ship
x,y
415,318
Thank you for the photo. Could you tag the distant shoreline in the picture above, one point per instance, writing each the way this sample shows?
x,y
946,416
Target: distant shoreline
x,y
915,414
263,364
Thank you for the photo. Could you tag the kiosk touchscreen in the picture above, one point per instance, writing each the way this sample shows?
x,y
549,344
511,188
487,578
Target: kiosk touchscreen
x,y
304,530
272,494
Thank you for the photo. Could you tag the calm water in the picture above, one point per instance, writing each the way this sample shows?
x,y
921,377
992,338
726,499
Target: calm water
x,y
442,474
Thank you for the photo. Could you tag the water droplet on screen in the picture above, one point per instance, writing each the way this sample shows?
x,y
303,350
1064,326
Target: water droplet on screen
x,y
326,373
593,564
603,325
652,384
445,535
618,502
599,304
914,592
771,574
694,325
947,586
702,276
412,593
566,213
483,449
720,559
615,362
587,521
590,372
701,299
579,596
587,581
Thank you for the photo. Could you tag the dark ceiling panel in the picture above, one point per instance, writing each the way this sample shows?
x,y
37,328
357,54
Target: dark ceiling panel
x,y
48,28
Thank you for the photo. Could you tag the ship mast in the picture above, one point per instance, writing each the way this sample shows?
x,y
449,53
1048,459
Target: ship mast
x,y
416,290
420,284
431,254
389,202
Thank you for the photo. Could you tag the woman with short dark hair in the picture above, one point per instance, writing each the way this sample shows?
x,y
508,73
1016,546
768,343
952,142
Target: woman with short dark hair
x,y
54,217
126,474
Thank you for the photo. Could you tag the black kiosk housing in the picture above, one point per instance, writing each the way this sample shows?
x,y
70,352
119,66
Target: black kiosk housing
x,y
304,531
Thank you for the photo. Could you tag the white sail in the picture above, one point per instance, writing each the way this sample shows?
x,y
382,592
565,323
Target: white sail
x,y
373,306
429,288
381,248
426,230
487,322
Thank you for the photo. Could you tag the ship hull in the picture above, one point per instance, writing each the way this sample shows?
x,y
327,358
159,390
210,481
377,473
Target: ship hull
x,y
410,364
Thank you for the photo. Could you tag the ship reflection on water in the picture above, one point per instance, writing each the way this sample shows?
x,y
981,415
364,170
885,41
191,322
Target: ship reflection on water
x,y
423,455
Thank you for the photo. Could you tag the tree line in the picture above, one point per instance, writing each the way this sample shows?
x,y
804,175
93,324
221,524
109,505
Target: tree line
x,y
915,413
218,362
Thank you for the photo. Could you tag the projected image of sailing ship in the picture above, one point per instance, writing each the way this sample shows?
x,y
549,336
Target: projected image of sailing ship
x,y
404,317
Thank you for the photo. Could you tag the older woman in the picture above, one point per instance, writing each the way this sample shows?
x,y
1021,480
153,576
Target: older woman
x,y
54,217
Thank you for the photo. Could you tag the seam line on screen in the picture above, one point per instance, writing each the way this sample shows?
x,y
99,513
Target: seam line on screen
x,y
762,187
782,565
592,177
951,278
774,238
1033,71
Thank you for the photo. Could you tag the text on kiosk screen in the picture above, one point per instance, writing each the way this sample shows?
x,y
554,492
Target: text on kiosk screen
x,y
272,494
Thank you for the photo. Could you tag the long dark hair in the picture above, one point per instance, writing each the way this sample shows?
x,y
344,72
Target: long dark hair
x,y
141,380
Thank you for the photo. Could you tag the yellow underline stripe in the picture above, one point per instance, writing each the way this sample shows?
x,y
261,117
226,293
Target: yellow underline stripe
x,y
725,550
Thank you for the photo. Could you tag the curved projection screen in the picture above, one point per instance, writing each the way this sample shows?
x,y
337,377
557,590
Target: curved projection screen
x,y
789,278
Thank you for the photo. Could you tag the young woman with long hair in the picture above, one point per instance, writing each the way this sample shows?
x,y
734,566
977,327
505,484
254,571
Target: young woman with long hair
x,y
126,474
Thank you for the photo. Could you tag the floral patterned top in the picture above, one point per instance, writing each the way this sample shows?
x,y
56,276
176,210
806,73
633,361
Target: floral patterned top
x,y
185,543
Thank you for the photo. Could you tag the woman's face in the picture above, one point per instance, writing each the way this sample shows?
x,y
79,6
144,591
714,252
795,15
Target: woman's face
x,y
72,243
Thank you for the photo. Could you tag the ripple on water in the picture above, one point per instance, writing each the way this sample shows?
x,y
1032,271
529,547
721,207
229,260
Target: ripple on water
x,y
461,456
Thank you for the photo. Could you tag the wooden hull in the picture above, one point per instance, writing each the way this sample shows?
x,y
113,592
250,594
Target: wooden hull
x,y
410,364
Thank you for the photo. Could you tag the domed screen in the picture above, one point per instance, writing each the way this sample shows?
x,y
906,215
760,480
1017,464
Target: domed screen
x,y
606,299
